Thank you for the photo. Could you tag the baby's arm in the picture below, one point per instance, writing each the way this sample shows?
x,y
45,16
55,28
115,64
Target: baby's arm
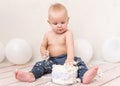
x,y
70,47
43,47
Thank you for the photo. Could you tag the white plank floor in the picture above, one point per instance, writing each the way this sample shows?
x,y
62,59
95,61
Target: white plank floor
x,y
109,75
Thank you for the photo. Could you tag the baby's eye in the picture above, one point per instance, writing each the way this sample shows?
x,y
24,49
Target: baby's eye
x,y
55,23
62,22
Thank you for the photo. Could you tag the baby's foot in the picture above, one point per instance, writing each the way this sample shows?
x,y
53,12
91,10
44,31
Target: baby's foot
x,y
89,75
24,76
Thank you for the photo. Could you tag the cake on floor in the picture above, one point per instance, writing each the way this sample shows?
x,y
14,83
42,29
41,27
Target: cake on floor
x,y
64,74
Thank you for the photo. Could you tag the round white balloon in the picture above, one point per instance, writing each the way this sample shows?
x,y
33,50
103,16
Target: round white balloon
x,y
111,49
2,54
83,49
18,51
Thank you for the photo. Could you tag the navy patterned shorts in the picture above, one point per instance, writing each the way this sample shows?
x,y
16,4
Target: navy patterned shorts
x,y
45,66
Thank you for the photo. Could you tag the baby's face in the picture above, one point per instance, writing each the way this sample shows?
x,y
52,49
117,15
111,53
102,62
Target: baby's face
x,y
58,22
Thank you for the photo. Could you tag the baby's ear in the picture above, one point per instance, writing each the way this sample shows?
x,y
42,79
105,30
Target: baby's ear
x,y
48,21
68,19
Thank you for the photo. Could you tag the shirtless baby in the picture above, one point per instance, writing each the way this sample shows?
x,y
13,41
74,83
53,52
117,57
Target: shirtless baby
x,y
60,44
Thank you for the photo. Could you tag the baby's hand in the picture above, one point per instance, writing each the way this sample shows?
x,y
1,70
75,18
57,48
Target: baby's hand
x,y
69,63
45,54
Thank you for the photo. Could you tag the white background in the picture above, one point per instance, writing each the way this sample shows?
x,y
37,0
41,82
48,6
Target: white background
x,y
93,20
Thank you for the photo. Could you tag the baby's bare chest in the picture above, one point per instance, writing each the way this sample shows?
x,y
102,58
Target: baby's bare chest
x,y
56,40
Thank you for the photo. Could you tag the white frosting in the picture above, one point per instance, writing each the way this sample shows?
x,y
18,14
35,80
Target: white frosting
x,y
64,74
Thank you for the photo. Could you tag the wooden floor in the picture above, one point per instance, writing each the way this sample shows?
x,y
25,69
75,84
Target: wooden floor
x,y
108,75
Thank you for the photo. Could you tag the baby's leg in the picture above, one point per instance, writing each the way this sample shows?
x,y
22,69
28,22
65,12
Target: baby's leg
x,y
89,75
39,69
84,74
24,76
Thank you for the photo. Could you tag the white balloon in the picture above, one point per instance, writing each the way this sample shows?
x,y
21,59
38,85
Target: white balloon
x,y
111,49
2,53
83,49
18,51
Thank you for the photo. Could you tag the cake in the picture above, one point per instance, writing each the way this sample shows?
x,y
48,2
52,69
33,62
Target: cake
x,y
64,74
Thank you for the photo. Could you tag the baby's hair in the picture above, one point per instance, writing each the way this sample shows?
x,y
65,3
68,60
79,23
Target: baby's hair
x,y
57,7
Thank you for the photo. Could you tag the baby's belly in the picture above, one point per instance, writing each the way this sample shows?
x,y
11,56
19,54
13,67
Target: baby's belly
x,y
57,51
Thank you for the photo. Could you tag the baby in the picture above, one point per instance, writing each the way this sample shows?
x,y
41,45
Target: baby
x,y
59,42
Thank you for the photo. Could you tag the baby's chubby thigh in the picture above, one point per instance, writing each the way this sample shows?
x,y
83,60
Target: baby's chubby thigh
x,y
41,68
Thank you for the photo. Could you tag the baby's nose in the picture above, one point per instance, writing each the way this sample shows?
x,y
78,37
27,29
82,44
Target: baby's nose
x,y
59,25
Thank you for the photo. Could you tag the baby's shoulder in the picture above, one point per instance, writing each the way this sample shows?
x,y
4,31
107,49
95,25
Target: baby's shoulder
x,y
69,32
47,33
